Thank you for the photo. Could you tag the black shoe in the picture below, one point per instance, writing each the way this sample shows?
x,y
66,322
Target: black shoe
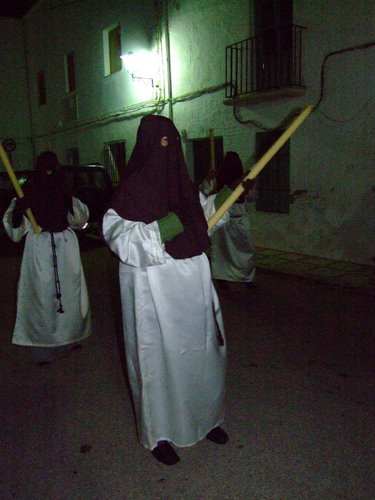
x,y
76,347
165,454
222,285
250,285
218,436
44,363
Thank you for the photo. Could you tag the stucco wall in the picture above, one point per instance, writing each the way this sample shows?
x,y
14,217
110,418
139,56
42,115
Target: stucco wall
x,y
14,108
332,154
78,27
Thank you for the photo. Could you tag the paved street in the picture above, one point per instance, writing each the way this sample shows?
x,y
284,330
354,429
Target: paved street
x,y
299,411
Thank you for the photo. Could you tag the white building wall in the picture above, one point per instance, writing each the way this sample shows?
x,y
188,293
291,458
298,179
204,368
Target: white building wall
x,y
14,108
57,28
332,157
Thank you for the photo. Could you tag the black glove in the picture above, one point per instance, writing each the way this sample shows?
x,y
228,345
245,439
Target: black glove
x,y
22,204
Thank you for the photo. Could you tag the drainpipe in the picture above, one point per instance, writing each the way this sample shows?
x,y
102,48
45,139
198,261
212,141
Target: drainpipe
x,y
168,60
26,53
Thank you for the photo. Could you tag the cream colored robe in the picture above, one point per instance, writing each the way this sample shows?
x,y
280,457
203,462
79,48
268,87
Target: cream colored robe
x,y
232,249
172,326
37,321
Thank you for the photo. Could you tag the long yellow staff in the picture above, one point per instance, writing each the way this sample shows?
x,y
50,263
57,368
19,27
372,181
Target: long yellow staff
x,y
260,165
17,187
212,157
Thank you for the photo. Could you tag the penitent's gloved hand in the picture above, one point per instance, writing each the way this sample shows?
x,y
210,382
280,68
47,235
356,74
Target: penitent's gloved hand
x,y
221,196
248,185
169,227
19,209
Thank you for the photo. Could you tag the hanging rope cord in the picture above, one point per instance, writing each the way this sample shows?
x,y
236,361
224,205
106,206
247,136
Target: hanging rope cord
x,y
56,272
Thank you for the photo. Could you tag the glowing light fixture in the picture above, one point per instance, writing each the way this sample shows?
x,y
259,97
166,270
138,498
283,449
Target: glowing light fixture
x,y
141,66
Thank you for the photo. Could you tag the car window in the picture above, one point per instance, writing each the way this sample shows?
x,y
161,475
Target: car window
x,y
92,185
100,180
5,183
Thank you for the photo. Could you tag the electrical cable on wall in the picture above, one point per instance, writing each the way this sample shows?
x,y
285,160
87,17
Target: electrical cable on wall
x,y
245,122
252,122
357,113
322,80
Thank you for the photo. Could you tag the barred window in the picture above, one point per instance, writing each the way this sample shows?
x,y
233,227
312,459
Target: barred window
x,y
273,182
42,88
70,72
115,159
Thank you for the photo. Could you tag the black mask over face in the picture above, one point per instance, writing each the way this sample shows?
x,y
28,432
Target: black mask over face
x,y
156,181
48,194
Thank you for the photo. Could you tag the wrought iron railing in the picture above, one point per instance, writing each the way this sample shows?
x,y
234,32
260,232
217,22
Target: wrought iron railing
x,y
268,61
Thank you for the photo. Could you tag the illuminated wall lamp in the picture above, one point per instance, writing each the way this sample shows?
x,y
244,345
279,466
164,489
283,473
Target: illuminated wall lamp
x,y
133,65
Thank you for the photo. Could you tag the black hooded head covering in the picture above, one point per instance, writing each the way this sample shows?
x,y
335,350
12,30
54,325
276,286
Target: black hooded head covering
x,y
47,193
231,170
156,181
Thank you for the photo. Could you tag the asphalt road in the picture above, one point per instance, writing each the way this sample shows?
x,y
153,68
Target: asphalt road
x,y
300,407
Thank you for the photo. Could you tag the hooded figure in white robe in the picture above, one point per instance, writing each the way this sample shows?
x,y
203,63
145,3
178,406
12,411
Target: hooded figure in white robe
x,y
174,336
52,300
232,250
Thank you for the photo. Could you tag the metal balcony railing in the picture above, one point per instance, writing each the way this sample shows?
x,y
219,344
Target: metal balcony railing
x,y
265,62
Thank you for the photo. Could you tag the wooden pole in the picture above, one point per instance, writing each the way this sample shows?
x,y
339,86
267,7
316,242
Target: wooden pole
x,y
17,187
212,157
260,165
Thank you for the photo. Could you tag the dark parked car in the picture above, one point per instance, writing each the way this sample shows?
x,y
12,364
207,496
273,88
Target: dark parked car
x,y
90,183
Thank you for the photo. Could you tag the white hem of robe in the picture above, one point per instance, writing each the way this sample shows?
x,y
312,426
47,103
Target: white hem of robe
x,y
38,323
171,317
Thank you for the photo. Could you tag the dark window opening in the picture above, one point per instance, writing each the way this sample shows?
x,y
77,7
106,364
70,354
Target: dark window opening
x,y
115,159
271,60
42,88
202,157
114,47
273,43
70,72
273,182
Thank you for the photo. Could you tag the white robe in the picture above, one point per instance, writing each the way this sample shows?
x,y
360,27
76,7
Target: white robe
x,y
232,250
171,318
37,321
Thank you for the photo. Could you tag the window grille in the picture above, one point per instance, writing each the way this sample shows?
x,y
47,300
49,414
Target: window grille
x,y
115,159
42,88
273,182
70,72
268,61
